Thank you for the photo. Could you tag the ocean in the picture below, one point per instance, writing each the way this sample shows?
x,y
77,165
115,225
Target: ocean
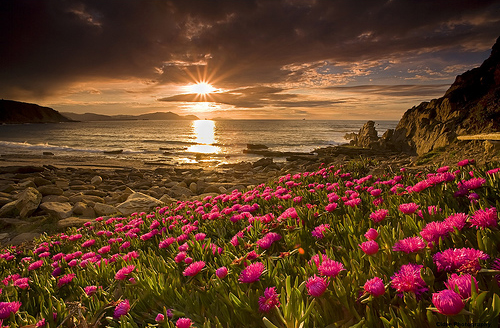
x,y
176,142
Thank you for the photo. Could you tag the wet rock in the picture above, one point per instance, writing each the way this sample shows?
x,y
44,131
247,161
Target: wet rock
x,y
263,162
50,190
138,202
57,210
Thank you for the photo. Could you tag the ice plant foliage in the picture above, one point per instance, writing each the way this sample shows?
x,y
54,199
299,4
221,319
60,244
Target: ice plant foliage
x,y
310,248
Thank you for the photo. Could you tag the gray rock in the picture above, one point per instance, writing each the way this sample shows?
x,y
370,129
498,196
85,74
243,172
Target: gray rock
x,y
138,202
105,209
50,190
57,210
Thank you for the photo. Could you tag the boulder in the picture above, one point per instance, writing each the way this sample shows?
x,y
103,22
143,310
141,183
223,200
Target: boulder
x,y
57,210
263,162
178,191
105,209
28,201
50,190
24,237
72,222
166,199
55,198
138,202
366,136
39,181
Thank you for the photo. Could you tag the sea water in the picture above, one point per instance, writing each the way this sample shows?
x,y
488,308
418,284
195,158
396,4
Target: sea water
x,y
176,142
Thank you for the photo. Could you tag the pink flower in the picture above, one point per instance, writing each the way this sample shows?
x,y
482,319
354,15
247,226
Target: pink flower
x,y
221,272
379,215
181,256
35,265
473,183
409,245
408,208
124,272
268,240
66,279
319,231
316,286
408,279
486,218
183,323
448,302
330,268
269,300
331,207
194,268
457,220
465,162
251,273
252,255
371,234
369,247
22,283
374,287
88,243
160,318
6,308
167,242
90,290
121,309
462,283
435,230
461,259
104,249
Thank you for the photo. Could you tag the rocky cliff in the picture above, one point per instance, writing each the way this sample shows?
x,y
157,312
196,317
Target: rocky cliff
x,y
15,112
470,106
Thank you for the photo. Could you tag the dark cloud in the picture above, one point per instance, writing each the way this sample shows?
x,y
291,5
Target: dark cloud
x,y
254,97
423,91
47,44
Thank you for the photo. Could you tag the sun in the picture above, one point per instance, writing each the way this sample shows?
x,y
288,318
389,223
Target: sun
x,y
201,88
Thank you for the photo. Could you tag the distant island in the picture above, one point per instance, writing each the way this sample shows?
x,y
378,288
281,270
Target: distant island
x,y
149,116
15,112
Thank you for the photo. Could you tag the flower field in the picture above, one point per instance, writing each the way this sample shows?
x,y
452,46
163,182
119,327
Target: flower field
x,y
331,248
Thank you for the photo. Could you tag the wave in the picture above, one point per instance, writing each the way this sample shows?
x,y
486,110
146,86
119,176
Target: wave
x,y
49,147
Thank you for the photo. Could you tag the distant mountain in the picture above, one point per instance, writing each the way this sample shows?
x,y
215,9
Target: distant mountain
x,y
15,112
149,116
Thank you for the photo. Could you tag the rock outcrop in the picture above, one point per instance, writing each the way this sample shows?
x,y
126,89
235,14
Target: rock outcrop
x,y
470,106
15,112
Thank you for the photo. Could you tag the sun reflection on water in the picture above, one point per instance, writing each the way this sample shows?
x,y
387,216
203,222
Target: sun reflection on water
x,y
204,131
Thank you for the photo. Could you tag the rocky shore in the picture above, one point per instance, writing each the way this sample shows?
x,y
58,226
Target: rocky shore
x,y
37,198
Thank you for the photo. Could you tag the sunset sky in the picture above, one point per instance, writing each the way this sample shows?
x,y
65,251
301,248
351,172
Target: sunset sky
x,y
294,59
